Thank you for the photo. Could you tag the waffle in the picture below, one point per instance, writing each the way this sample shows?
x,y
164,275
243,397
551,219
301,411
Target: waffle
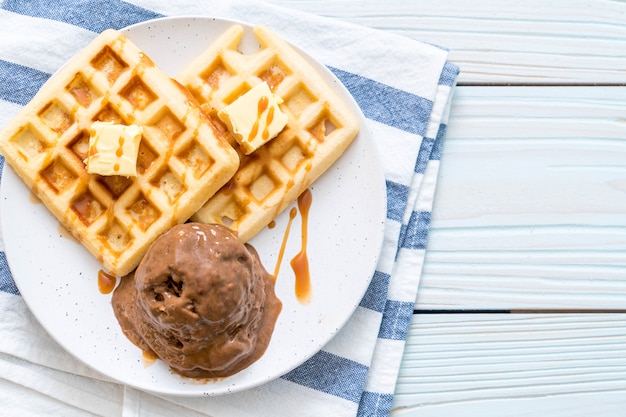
x,y
318,130
183,159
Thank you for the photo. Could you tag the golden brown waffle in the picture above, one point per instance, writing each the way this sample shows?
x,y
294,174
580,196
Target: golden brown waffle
x,y
319,128
183,159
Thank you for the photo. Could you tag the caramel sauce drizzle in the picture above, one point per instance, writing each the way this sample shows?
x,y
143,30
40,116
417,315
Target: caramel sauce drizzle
x,y
300,262
120,149
82,94
268,120
262,105
119,153
106,282
281,253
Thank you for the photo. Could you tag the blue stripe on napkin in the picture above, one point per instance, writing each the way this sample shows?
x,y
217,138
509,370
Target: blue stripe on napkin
x,y
430,150
372,404
376,294
437,148
414,235
449,75
388,105
94,15
424,155
396,320
397,197
19,83
331,374
6,280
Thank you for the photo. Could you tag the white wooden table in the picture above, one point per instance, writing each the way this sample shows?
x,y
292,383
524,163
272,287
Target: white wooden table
x,y
522,305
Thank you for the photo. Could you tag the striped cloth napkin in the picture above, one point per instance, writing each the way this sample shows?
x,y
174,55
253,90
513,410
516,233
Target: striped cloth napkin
x,y
402,86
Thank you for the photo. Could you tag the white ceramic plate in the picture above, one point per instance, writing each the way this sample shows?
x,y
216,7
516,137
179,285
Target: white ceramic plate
x,y
58,277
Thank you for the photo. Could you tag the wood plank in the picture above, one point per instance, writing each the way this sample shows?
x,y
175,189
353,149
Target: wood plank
x,y
530,210
495,42
513,365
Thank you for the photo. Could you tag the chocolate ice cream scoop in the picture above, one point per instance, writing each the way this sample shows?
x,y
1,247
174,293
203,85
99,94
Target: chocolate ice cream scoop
x,y
200,300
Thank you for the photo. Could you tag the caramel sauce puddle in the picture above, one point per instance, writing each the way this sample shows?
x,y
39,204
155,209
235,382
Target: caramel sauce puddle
x,y
148,359
106,282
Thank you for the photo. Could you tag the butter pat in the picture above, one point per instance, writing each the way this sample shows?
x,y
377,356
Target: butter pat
x,y
113,149
254,118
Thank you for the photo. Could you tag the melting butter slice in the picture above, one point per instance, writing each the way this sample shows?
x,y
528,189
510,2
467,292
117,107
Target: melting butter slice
x,y
254,118
113,149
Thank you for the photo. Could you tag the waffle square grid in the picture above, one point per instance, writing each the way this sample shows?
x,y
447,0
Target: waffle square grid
x,y
183,159
318,130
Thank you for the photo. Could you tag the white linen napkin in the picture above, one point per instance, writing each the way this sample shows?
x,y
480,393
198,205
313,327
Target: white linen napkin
x,y
403,87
